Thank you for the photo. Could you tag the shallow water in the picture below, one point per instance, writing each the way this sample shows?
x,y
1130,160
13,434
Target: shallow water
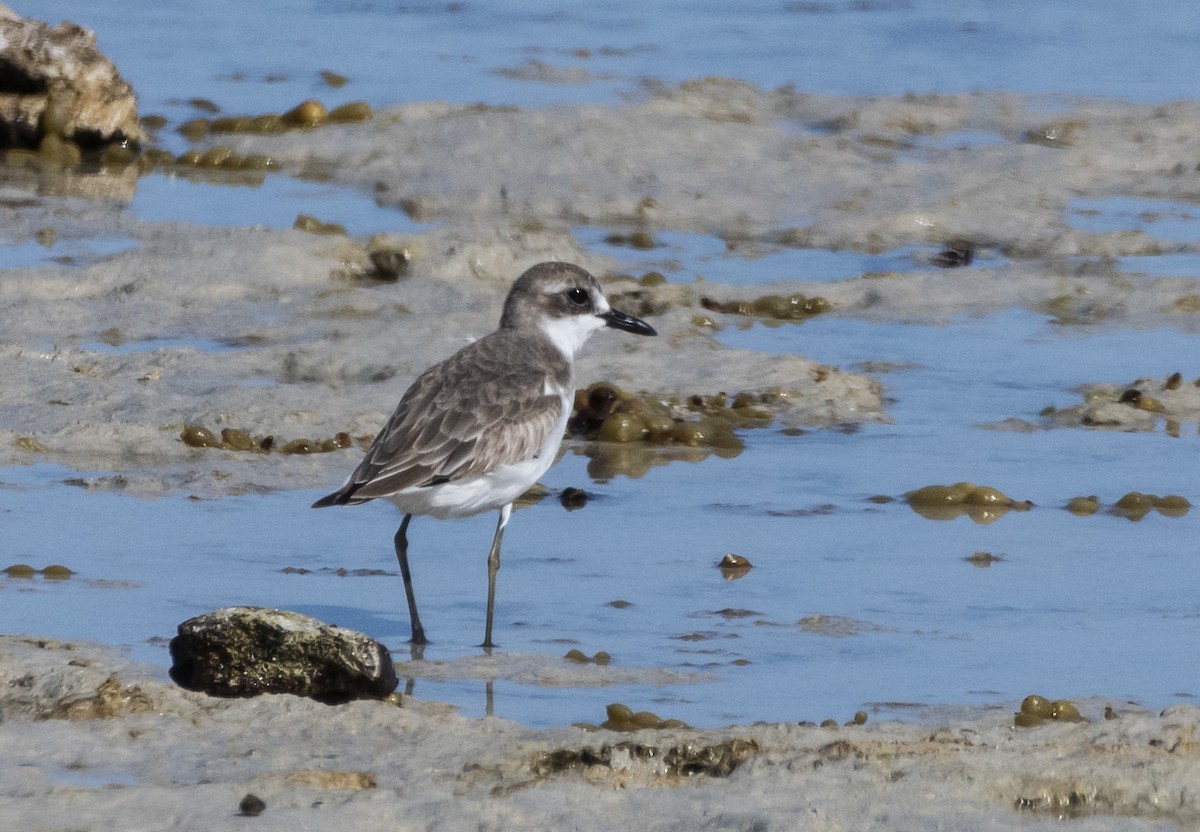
x,y
250,58
1077,605
685,258
275,203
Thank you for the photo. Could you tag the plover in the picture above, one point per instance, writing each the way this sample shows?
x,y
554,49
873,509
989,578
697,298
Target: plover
x,y
474,432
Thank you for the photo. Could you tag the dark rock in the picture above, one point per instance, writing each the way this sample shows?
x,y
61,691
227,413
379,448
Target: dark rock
x,y
251,806
55,81
245,651
957,253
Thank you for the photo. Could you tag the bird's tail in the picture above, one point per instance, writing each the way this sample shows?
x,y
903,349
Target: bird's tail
x,y
344,496
337,498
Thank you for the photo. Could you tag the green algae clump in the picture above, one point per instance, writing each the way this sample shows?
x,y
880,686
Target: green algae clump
x,y
312,225
355,112
577,656
623,718
1038,710
604,413
1084,506
198,436
308,113
235,439
795,307
982,503
1135,505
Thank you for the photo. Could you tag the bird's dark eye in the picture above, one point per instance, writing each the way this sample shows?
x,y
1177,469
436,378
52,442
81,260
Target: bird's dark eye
x,y
577,296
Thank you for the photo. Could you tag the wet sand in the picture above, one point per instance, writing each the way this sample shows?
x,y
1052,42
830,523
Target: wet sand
x,y
280,333
89,742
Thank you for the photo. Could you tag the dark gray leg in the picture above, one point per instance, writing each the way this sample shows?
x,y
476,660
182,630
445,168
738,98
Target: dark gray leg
x,y
493,568
418,632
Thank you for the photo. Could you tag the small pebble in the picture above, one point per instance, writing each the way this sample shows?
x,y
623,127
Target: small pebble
x,y
251,806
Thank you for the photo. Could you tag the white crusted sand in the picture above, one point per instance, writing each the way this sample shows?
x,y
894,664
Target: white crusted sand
x,y
312,354
89,742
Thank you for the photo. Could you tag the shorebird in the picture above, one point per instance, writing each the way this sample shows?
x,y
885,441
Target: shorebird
x,y
474,432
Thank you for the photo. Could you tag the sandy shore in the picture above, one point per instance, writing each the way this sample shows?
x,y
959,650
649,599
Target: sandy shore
x,y
88,741
277,332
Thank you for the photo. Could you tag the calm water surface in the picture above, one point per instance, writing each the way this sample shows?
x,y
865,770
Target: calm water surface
x,y
1077,606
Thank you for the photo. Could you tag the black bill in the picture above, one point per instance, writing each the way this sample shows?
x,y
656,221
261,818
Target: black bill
x,y
619,320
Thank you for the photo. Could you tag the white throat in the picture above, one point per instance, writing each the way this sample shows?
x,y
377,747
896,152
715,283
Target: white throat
x,y
569,334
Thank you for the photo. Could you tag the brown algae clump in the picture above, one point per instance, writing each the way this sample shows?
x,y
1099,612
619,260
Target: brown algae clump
x,y
734,566
605,413
234,439
573,498
306,115
388,262
641,240
983,560
1172,505
312,225
1141,401
684,760
1084,506
29,444
1038,710
1135,505
771,307
577,656
623,718
355,112
981,503
309,113
198,436
336,80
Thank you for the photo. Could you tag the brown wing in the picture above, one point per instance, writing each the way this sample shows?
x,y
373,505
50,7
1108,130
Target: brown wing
x,y
483,407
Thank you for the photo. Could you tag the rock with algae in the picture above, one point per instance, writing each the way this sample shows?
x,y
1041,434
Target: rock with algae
x,y
57,85
1141,405
684,759
246,651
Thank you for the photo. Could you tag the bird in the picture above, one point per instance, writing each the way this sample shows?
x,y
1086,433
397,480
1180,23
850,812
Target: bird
x,y
475,431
